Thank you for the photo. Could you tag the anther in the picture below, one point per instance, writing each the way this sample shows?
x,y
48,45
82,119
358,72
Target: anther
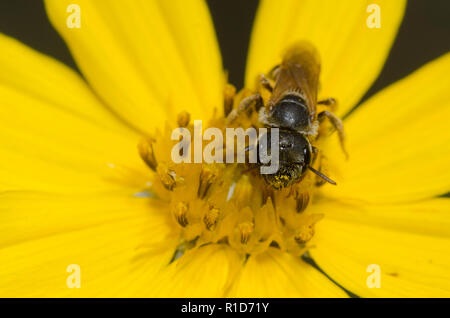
x,y
246,229
167,176
304,234
183,119
147,154
302,201
180,213
211,217
207,177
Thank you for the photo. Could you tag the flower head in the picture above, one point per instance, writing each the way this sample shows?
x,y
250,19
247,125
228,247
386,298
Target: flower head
x,y
88,177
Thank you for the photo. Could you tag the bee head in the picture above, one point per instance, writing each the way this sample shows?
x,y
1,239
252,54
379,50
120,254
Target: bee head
x,y
294,158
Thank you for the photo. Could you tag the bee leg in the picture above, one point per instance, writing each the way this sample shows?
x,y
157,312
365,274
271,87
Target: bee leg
x,y
315,153
303,200
228,98
265,83
274,71
330,102
337,124
244,105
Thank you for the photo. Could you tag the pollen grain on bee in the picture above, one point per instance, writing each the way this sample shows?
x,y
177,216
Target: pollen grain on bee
x,y
258,149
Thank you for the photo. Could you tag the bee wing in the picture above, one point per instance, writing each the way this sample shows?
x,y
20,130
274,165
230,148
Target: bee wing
x,y
298,72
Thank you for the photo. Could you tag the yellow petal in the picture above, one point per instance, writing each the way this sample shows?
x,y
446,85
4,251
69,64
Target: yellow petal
x,y
118,242
398,141
205,272
43,78
428,217
352,54
55,133
413,261
147,60
278,274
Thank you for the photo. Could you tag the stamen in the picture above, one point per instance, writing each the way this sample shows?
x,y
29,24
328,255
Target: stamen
x,y
167,176
211,217
207,177
180,213
246,229
147,154
183,119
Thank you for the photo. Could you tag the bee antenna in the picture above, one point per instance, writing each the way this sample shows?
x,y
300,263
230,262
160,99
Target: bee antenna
x,y
324,177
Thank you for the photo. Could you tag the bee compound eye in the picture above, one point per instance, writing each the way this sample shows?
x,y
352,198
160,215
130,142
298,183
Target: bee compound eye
x,y
307,155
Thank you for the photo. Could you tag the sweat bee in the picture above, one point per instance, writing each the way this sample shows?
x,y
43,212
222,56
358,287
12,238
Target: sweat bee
x,y
292,108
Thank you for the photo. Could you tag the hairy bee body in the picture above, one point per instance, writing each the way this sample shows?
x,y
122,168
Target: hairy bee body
x,y
292,108
293,149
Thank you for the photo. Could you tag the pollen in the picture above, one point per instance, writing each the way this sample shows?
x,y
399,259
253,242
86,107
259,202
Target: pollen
x,y
211,217
168,177
304,234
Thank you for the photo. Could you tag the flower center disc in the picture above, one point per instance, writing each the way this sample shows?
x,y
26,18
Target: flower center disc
x,y
228,203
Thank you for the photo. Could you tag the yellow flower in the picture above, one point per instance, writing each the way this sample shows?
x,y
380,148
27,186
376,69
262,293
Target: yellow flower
x,y
74,189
